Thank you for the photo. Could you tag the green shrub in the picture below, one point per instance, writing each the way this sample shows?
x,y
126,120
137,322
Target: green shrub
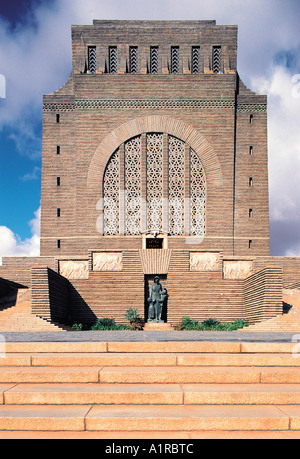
x,y
136,323
210,324
188,324
77,326
132,315
239,323
108,323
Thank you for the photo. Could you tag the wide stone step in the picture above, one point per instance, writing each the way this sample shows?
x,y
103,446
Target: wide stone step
x,y
201,347
81,394
88,359
49,374
193,418
147,359
238,360
26,322
211,375
151,347
152,394
239,394
152,418
151,375
54,347
49,417
163,389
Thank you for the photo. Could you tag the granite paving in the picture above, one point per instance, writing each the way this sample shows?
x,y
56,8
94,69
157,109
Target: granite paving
x,y
128,336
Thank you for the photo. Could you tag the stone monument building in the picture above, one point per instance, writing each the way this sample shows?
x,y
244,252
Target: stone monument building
x,y
154,164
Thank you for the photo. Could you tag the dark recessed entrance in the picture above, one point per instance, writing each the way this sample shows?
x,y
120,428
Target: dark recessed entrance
x,y
149,279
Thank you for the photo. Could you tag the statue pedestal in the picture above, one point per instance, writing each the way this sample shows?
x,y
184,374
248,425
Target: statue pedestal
x,y
158,326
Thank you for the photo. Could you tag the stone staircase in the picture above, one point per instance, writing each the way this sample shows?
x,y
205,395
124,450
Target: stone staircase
x,y
288,322
183,390
15,315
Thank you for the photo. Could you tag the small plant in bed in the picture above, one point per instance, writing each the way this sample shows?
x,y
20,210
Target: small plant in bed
x,y
210,324
108,323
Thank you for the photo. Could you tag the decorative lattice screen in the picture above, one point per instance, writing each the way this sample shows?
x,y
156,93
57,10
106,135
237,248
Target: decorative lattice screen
x,y
154,148
176,154
216,59
113,59
92,59
195,59
154,59
133,59
174,59
176,185
197,196
133,185
111,187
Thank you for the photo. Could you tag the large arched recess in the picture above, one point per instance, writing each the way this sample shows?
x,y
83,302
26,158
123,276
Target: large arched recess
x,y
154,123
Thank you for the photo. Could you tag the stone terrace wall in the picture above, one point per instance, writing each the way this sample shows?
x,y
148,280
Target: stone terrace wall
x,y
263,294
290,268
7,287
203,294
199,295
18,269
50,295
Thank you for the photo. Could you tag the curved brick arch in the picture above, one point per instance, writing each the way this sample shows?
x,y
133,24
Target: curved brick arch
x,y
155,123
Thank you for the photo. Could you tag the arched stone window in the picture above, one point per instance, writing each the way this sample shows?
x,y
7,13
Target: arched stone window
x,y
154,182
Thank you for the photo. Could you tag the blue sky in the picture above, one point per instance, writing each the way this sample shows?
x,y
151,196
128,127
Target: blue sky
x,y
35,59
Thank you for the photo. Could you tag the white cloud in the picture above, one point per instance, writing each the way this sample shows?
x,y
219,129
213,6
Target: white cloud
x,y
2,87
36,59
35,223
284,159
11,244
33,175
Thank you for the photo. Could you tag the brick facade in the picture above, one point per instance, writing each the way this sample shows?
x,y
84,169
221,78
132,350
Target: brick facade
x,y
210,112
154,141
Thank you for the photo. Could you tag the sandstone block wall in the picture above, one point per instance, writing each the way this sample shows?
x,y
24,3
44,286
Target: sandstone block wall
x,y
290,268
18,269
50,295
263,294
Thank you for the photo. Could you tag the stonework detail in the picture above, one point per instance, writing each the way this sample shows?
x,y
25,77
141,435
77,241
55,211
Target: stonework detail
x,y
155,260
164,211
133,185
154,181
197,196
176,185
204,261
139,103
252,107
74,269
111,195
237,269
107,261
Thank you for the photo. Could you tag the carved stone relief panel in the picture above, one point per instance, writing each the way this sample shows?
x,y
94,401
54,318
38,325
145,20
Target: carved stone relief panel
x,y
237,269
204,261
74,269
107,261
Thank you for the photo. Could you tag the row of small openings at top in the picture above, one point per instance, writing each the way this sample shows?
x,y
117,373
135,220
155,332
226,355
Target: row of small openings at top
x,y
133,60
